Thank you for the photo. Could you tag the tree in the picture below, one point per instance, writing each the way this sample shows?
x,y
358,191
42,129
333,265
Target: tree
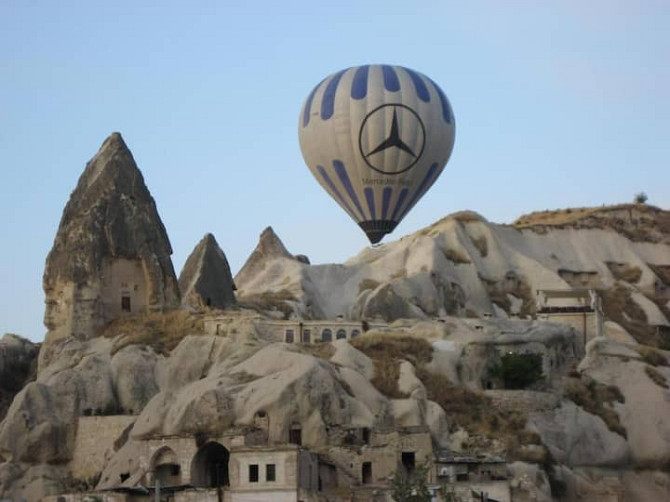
x,y
411,486
519,371
641,198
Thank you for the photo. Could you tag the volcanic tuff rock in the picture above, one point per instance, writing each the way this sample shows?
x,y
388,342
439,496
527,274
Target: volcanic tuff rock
x,y
269,248
205,280
465,265
110,243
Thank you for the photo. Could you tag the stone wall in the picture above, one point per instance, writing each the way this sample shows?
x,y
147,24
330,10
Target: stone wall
x,y
384,455
586,323
94,442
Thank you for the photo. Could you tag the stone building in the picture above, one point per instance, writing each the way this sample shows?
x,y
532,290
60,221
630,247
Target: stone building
x,y
473,477
296,331
579,308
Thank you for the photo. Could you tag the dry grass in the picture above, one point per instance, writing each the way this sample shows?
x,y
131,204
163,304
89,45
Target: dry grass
x,y
616,302
160,330
478,415
624,272
481,244
662,272
597,399
466,409
385,379
367,284
501,299
656,377
386,352
638,222
456,257
320,350
651,356
378,346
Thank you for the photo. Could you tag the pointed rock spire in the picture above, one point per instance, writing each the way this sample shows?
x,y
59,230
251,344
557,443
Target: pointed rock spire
x,y
111,254
269,247
205,280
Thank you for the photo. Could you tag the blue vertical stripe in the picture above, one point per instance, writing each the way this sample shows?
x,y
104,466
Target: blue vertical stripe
x,y
334,189
370,196
391,82
398,204
419,85
308,105
386,199
359,86
425,183
446,109
328,101
346,182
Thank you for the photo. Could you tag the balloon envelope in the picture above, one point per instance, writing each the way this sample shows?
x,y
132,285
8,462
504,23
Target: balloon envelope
x,y
376,137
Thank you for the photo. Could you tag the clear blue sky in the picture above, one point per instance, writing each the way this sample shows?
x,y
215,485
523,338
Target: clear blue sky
x,y
557,104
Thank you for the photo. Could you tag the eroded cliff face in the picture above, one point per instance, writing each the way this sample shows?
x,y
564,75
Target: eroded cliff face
x,y
111,254
465,265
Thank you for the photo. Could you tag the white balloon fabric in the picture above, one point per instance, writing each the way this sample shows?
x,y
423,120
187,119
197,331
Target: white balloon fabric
x,y
376,137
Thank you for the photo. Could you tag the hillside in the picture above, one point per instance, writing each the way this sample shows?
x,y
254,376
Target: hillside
x,y
424,358
464,265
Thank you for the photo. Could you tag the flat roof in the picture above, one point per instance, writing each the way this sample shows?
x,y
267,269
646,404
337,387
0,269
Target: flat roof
x,y
566,293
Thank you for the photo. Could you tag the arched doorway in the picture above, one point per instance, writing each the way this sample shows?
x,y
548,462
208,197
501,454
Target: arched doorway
x,y
327,335
209,468
166,467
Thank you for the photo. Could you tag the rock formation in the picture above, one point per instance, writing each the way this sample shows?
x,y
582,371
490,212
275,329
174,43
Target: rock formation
x,y
205,280
269,248
111,254
458,297
464,264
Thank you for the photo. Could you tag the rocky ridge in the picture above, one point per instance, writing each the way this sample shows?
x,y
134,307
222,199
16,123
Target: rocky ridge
x,y
465,265
457,296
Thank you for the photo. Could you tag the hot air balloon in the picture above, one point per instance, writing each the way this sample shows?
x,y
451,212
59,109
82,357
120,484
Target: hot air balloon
x,y
376,137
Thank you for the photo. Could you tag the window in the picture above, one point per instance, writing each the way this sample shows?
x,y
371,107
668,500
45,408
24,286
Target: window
x,y
289,336
208,301
341,334
366,473
326,335
270,473
366,435
355,333
253,473
408,461
295,434
125,303
307,336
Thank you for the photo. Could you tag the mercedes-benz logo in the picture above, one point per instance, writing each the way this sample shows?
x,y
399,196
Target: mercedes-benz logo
x,y
373,142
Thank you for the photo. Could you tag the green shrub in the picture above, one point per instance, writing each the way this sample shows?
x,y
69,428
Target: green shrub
x,y
519,371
